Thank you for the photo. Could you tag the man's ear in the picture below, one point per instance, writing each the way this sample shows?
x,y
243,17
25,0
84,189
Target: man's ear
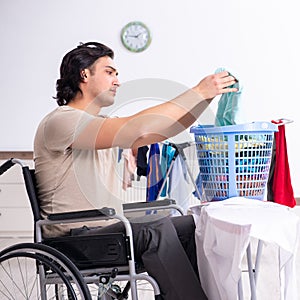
x,y
83,74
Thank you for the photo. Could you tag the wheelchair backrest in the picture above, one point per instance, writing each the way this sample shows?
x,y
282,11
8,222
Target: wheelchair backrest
x,y
30,183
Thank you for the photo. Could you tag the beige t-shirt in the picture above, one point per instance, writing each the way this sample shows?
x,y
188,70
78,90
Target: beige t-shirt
x,y
72,179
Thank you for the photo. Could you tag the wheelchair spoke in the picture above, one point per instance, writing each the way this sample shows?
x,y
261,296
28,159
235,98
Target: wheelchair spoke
x,y
16,281
35,276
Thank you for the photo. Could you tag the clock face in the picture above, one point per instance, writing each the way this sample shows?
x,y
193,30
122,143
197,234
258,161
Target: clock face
x,y
136,36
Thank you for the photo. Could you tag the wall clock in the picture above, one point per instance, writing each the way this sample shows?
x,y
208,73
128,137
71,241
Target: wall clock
x,y
136,36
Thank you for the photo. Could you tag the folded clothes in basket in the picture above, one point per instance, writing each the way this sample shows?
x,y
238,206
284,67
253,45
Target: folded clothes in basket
x,y
228,112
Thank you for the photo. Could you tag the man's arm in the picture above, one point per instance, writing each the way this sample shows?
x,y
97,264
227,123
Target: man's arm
x,y
156,123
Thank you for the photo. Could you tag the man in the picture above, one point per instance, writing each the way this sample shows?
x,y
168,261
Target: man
x,y
74,152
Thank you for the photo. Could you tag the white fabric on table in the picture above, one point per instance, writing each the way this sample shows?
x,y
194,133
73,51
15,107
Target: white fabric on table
x,y
223,232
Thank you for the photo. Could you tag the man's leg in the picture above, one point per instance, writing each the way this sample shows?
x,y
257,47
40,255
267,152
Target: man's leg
x,y
165,246
164,257
185,228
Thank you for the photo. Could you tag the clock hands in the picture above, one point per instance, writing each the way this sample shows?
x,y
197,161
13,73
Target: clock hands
x,y
135,36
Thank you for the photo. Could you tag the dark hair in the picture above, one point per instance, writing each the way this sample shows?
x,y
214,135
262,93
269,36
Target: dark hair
x,y
72,64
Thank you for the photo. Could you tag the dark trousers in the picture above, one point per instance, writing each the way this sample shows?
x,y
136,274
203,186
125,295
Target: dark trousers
x,y
166,248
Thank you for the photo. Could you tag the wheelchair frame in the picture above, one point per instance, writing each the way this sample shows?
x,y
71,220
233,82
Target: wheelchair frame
x,y
62,267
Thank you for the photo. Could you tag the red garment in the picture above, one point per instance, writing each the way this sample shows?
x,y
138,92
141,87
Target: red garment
x,y
282,187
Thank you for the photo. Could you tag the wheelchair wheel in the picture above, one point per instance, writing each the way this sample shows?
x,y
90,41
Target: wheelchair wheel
x,y
35,271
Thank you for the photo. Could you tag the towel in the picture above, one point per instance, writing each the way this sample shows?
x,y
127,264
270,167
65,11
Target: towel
x,y
228,112
280,179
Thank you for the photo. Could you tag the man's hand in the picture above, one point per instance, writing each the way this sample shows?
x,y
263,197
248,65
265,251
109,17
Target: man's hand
x,y
215,84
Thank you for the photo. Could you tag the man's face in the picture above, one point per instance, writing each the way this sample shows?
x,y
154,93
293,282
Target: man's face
x,y
103,81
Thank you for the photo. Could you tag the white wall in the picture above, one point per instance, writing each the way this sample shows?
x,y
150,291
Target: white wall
x,y
256,40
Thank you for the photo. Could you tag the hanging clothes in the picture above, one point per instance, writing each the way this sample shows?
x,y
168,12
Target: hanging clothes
x,y
167,154
154,175
198,183
129,168
279,178
178,184
142,162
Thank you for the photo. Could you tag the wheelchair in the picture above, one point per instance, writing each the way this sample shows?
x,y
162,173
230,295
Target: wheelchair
x,y
74,267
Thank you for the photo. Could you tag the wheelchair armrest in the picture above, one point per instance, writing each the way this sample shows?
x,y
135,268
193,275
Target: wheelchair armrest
x,y
86,215
102,212
154,205
146,205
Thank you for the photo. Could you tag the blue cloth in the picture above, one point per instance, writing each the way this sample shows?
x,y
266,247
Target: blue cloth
x,y
154,174
167,154
198,182
228,112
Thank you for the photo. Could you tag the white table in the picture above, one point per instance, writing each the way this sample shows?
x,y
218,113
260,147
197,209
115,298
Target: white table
x,y
223,232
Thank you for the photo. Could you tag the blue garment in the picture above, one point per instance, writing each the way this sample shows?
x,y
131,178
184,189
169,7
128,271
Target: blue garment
x,y
154,174
167,154
198,182
228,112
